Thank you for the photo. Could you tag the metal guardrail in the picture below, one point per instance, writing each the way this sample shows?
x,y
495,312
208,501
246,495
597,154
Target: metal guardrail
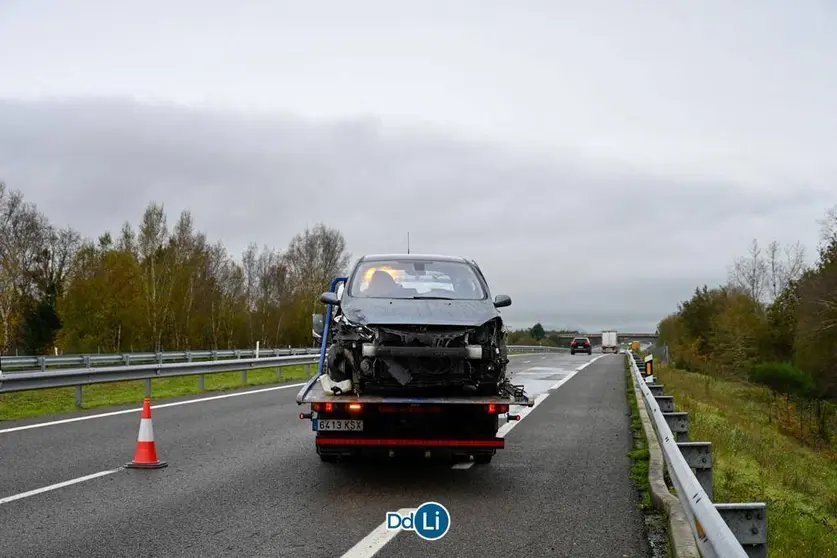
x,y
90,360
50,373
536,349
720,530
79,377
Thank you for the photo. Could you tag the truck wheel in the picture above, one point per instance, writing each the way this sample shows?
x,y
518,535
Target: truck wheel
x,y
483,459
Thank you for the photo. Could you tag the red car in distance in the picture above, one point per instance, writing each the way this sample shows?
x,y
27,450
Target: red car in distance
x,y
581,344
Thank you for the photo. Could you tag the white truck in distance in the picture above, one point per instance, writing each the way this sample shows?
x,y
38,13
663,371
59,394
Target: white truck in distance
x,y
610,341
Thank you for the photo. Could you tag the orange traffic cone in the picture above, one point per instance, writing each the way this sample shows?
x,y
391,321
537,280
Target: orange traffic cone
x,y
146,455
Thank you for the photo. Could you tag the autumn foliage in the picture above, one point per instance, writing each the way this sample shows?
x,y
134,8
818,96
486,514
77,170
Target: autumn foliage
x,y
154,287
774,323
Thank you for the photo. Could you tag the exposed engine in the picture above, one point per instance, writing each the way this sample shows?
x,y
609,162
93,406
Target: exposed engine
x,y
418,357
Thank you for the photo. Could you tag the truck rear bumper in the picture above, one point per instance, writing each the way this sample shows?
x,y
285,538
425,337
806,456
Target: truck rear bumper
x,y
496,443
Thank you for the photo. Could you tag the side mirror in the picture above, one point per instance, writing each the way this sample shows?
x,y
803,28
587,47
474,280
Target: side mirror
x,y
501,301
329,297
317,326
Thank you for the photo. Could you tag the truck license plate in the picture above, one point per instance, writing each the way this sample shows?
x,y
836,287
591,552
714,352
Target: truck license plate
x,y
338,425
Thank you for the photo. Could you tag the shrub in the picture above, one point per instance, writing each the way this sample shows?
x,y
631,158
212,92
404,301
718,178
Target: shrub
x,y
782,377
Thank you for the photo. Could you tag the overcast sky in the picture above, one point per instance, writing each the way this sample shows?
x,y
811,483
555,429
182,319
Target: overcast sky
x,y
599,159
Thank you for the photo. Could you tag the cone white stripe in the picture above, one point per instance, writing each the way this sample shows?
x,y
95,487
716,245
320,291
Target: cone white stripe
x,y
146,431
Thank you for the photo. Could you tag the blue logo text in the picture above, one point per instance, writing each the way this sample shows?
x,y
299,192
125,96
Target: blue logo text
x,y
431,521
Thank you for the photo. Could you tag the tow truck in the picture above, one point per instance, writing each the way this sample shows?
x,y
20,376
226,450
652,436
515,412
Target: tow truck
x,y
456,427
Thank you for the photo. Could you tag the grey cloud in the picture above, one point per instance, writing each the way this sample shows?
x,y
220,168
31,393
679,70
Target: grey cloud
x,y
573,243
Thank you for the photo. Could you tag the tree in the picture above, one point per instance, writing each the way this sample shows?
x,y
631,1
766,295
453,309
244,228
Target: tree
x,y
750,272
314,258
22,229
764,275
736,333
537,332
828,238
782,324
784,265
156,259
154,288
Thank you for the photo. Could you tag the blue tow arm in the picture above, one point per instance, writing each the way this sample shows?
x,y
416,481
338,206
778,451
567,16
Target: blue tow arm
x,y
334,285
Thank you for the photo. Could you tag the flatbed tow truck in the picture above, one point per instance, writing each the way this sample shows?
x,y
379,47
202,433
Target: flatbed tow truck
x,y
451,426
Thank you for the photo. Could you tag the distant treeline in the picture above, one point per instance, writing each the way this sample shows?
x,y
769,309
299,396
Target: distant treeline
x,y
154,287
773,323
537,335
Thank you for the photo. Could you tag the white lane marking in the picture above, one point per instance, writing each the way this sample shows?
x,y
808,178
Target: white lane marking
x,y
8,499
377,539
372,543
160,406
524,412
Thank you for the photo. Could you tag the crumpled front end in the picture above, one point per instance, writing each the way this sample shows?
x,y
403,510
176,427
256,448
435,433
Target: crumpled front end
x,y
418,357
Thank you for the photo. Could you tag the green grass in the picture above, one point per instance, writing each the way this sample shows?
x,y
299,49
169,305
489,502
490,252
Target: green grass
x,y
35,403
755,461
639,456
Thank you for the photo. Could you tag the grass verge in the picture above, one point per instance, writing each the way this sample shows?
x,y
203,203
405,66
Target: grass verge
x,y
754,461
655,522
35,403
639,455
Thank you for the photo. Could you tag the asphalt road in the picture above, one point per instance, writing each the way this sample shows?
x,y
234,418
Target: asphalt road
x,y
244,480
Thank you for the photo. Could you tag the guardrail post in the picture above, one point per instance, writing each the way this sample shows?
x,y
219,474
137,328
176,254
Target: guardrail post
x,y
666,402
656,389
42,363
308,371
748,522
79,396
237,354
678,423
699,457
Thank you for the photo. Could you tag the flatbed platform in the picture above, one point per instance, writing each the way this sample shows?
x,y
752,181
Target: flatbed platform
x,y
313,392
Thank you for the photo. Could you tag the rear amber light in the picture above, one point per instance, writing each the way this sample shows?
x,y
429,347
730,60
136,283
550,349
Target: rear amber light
x,y
355,407
496,409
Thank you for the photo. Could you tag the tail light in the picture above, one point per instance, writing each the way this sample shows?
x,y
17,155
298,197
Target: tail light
x,y
327,407
497,408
